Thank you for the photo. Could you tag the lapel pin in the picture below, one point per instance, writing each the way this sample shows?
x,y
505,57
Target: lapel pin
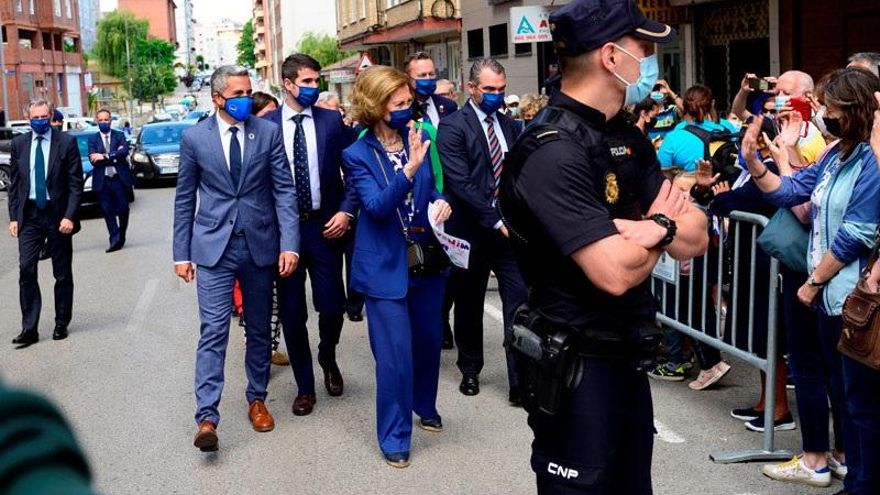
x,y
251,136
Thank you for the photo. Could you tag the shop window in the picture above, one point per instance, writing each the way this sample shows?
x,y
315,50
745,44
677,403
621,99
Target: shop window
x,y
475,43
522,49
498,40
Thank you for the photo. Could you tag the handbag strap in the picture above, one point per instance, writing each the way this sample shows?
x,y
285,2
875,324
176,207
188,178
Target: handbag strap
x,y
388,183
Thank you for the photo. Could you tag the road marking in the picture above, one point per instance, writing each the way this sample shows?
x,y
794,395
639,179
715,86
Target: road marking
x,y
494,312
665,434
139,315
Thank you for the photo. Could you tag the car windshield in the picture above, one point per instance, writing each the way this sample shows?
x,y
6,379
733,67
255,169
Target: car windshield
x,y
161,135
82,140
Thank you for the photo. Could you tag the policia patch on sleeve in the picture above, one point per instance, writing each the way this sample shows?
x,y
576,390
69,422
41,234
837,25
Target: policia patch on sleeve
x,y
612,190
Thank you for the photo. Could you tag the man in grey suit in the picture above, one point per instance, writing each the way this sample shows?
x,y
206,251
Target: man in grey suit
x,y
246,226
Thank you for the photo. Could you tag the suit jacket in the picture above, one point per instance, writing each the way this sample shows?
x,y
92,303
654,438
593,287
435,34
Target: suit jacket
x,y
264,198
64,177
467,171
444,105
118,158
333,137
379,263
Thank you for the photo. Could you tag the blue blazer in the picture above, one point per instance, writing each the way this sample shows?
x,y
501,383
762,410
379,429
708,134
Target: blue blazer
x,y
118,158
379,263
467,170
333,137
265,196
444,105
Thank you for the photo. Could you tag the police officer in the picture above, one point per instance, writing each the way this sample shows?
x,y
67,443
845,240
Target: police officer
x,y
590,214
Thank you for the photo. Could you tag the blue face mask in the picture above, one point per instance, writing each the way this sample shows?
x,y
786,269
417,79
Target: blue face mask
x,y
491,102
649,71
426,87
400,118
40,126
239,108
307,96
104,127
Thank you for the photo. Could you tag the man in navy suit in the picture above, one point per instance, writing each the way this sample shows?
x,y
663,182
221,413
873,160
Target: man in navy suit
x,y
45,187
313,141
472,143
246,227
111,177
423,78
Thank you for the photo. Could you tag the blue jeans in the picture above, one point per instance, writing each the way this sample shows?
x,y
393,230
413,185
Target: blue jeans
x,y
863,404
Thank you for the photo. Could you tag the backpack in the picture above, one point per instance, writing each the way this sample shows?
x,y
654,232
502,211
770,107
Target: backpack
x,y
722,149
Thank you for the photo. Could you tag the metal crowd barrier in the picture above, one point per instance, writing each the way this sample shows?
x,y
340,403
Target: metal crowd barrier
x,y
703,309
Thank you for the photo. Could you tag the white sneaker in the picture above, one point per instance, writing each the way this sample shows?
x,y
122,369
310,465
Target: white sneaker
x,y
795,471
838,469
709,377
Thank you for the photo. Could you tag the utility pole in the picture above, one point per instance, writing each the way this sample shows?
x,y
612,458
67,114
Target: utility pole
x,y
3,77
128,66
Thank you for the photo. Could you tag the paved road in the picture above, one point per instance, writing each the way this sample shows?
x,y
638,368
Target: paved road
x,y
124,378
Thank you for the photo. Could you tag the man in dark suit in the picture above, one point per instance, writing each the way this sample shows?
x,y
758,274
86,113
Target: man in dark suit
x,y
313,140
423,78
472,143
46,182
111,177
246,227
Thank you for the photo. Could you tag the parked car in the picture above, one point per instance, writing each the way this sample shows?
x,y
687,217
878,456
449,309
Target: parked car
x,y
196,115
6,135
89,197
4,170
156,154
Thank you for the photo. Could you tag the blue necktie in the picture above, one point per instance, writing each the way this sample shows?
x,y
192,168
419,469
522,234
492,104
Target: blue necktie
x,y
40,174
234,157
301,166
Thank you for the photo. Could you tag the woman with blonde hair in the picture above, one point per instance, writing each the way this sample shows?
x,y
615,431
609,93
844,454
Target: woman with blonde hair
x,y
397,263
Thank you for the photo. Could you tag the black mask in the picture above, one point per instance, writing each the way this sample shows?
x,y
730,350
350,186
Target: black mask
x,y
832,125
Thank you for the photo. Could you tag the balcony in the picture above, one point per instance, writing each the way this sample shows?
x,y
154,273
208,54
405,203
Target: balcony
x,y
412,19
258,13
260,47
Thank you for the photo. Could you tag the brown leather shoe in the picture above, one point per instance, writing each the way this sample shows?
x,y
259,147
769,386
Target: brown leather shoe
x,y
260,417
333,381
206,438
303,405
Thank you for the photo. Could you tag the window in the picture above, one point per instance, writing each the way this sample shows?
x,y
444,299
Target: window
x,y
18,6
475,43
522,49
33,8
352,11
498,40
60,87
392,3
68,9
47,41
27,38
363,9
57,7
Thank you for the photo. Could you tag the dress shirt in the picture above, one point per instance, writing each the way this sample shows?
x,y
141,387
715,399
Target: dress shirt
x,y
110,170
47,145
226,138
289,129
431,111
499,133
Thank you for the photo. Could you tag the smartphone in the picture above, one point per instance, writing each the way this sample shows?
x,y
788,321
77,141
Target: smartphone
x,y
759,84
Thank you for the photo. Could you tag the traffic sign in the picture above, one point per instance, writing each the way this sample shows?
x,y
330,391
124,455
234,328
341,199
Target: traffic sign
x,y
363,63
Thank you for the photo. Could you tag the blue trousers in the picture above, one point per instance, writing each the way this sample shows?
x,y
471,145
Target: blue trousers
x,y
113,198
405,336
322,261
863,404
214,287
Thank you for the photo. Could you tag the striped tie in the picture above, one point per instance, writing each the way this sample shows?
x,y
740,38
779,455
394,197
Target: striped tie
x,y
495,153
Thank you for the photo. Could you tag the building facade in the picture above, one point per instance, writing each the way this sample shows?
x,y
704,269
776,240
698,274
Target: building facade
x,y
160,14
43,54
185,29
263,44
89,13
391,29
226,43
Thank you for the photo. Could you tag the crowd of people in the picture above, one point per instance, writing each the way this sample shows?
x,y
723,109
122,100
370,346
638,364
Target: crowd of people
x,y
274,192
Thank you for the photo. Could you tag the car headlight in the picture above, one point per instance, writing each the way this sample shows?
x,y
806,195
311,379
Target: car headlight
x,y
140,157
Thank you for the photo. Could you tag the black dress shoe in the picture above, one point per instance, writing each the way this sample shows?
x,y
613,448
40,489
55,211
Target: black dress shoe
x,y
355,317
60,332
470,384
113,247
26,338
434,425
515,397
399,460
333,381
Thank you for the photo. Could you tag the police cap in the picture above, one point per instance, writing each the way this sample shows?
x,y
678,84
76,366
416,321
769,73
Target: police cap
x,y
585,25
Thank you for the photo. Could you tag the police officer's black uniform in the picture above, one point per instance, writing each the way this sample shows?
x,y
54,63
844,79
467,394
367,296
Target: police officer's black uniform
x,y
568,176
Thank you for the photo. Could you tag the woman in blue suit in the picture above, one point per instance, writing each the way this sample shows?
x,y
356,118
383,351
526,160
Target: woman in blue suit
x,y
391,172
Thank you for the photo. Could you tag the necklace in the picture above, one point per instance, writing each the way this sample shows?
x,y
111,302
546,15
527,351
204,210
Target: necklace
x,y
392,145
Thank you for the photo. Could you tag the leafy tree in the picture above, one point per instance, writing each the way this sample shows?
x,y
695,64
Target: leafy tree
x,y
113,31
246,46
152,80
322,47
154,50
200,62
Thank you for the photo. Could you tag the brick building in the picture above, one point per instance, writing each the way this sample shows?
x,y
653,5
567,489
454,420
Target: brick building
x,y
160,13
43,54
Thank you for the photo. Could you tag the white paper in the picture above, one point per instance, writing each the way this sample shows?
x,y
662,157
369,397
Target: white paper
x,y
458,250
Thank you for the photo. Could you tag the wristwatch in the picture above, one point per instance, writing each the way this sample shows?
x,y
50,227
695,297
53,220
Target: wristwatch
x,y
816,285
667,223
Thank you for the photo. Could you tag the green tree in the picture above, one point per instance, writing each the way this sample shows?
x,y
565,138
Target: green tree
x,y
246,46
322,47
110,45
154,50
152,80
200,62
